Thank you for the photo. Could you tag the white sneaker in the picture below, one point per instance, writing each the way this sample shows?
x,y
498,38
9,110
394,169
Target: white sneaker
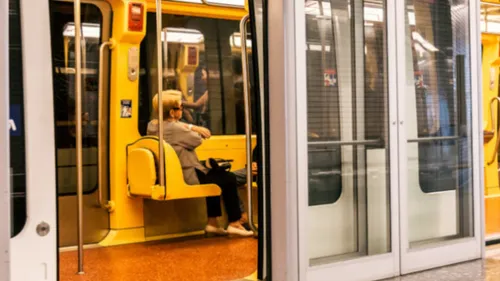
x,y
215,231
233,231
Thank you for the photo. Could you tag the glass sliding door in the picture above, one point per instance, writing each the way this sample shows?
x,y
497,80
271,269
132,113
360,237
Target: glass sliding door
x,y
435,109
350,182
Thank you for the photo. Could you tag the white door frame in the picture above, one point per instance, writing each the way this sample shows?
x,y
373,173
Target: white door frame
x,y
28,249
462,249
282,140
4,143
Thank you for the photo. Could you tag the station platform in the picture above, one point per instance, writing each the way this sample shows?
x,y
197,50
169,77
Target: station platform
x,y
487,269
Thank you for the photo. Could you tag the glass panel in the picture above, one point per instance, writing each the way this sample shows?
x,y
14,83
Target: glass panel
x,y
63,33
16,112
348,136
438,120
210,79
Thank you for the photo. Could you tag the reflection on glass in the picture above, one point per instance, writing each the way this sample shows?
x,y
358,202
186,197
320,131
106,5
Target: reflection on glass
x,y
438,121
348,149
202,59
63,50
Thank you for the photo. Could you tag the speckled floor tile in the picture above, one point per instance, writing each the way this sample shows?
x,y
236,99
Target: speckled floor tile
x,y
479,270
214,259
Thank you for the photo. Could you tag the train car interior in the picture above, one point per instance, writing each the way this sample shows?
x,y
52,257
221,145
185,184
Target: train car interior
x,y
132,223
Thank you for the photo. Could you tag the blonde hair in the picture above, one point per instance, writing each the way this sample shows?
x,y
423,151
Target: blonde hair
x,y
171,100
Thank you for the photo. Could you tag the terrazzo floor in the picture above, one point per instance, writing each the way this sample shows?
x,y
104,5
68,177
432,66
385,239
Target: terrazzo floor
x,y
212,259
220,259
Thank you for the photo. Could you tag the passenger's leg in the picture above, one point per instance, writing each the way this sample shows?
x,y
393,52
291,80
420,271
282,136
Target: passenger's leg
x,y
213,209
227,182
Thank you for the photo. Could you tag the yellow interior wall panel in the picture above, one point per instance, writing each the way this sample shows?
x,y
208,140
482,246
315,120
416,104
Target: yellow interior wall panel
x,y
129,211
490,90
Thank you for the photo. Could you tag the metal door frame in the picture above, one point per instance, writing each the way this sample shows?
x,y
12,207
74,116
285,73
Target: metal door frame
x,y
5,218
40,154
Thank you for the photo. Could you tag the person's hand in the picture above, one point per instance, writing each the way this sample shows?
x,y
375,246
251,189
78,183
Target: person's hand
x,y
254,168
204,132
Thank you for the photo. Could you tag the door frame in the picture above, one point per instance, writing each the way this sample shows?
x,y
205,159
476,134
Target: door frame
x,y
40,153
5,216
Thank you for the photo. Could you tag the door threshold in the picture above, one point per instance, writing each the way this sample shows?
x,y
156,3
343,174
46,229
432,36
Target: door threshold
x,y
492,239
74,248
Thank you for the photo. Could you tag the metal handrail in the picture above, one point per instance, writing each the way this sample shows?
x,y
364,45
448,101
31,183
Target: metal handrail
x,y
110,44
429,139
160,92
248,118
78,115
341,143
494,129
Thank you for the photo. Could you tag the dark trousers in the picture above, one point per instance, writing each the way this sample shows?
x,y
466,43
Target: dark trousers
x,y
227,183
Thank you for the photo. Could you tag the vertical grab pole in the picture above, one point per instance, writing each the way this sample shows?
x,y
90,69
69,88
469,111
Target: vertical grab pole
x,y
100,152
78,115
160,92
248,118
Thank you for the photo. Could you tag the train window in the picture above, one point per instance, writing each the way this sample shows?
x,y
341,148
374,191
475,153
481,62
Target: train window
x,y
17,132
438,55
62,34
347,109
204,63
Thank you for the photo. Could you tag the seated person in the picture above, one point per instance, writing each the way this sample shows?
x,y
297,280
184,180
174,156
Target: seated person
x,y
184,139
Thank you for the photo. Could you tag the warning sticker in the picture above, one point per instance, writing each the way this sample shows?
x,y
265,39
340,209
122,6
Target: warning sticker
x,y
126,111
330,77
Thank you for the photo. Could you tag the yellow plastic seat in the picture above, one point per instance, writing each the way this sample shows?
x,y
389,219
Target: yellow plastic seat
x,y
142,173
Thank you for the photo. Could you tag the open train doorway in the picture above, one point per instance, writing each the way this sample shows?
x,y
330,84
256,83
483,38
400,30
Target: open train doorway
x,y
124,221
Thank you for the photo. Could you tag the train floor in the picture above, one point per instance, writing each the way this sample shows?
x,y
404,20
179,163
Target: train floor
x,y
210,259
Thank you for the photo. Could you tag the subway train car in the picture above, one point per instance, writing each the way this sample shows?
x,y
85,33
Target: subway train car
x,y
351,126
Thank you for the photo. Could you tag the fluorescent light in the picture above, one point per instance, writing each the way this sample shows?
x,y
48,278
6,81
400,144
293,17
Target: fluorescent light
x,y
182,36
317,47
89,30
239,3
235,41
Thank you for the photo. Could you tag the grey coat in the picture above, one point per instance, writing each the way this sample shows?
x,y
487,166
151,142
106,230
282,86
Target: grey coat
x,y
184,142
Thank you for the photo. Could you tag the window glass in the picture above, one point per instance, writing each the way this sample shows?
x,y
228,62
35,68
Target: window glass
x,y
17,132
62,34
438,114
348,148
203,59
